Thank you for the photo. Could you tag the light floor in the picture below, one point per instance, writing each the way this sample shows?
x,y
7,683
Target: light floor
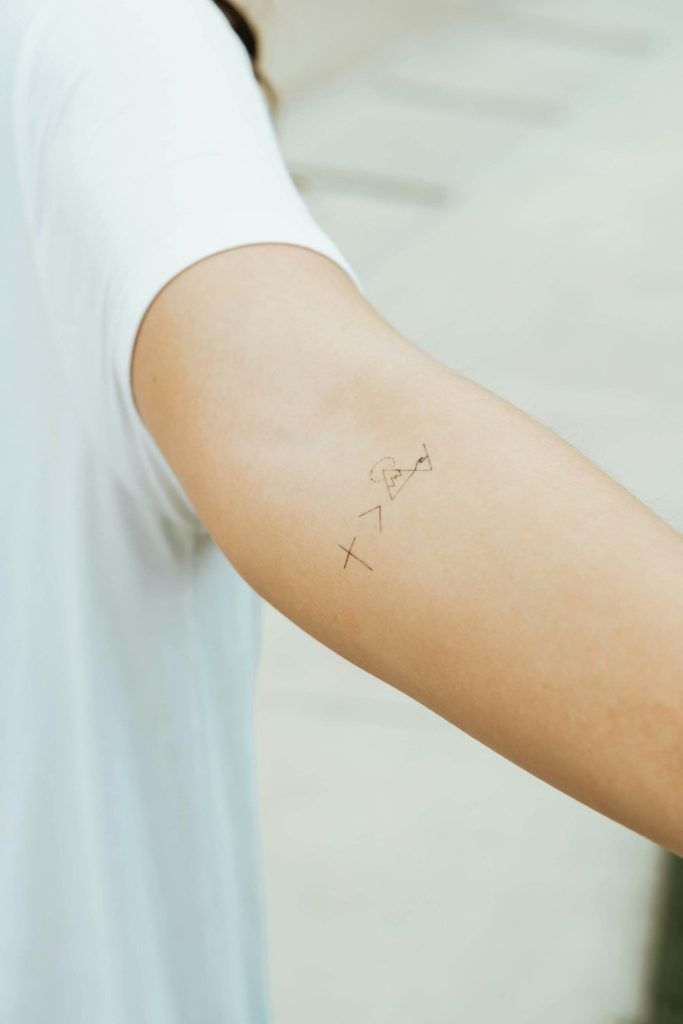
x,y
508,187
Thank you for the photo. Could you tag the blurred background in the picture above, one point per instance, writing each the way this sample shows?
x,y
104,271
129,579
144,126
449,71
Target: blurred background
x,y
506,179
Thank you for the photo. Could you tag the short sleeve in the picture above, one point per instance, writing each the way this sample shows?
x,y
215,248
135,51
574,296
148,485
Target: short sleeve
x,y
144,144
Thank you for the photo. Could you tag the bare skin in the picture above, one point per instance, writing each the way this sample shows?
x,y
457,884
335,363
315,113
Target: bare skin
x,y
504,582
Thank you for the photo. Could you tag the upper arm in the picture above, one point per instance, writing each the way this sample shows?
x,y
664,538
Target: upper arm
x,y
509,585
252,365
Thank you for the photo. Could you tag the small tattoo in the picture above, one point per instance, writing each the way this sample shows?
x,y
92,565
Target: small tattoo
x,y
378,509
394,477
350,554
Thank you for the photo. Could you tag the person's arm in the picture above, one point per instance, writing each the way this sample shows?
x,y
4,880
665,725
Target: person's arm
x,y
513,587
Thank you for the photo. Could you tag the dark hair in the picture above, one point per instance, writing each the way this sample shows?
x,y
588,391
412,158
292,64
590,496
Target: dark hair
x,y
249,36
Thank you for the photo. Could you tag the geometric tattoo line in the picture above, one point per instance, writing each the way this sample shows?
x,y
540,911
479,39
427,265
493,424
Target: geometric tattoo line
x,y
378,509
350,554
395,477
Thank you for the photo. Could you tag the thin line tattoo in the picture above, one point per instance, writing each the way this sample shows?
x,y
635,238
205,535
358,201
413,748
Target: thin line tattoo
x,y
378,509
394,479
350,554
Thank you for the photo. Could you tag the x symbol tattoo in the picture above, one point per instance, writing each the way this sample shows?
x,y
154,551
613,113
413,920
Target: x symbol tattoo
x,y
350,554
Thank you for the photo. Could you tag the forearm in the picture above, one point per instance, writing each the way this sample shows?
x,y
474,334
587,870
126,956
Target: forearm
x,y
508,585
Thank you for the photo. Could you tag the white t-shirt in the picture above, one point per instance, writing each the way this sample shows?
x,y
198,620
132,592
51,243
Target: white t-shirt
x,y
133,142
